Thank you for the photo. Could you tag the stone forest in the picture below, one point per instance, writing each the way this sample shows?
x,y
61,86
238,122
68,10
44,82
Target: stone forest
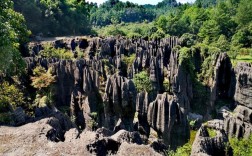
x,y
107,87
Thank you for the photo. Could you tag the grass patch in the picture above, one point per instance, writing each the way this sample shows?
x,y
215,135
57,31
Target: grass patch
x,y
192,136
211,132
241,58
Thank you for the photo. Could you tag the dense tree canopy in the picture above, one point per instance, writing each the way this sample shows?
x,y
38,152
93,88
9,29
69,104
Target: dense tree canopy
x,y
55,17
13,32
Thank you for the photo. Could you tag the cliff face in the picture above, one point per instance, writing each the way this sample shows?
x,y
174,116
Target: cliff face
x,y
236,124
239,122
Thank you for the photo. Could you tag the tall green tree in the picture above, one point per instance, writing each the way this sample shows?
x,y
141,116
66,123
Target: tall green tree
x,y
13,32
244,12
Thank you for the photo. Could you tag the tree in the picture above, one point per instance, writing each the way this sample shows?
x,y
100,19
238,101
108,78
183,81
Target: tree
x,y
244,12
222,14
142,82
13,32
210,29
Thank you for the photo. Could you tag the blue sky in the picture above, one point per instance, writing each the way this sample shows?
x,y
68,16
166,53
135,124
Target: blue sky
x,y
141,1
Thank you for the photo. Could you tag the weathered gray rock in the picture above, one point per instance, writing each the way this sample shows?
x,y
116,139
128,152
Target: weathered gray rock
x,y
207,145
180,81
129,137
243,92
127,149
142,104
19,116
104,132
195,117
221,80
71,135
165,116
103,147
120,102
238,123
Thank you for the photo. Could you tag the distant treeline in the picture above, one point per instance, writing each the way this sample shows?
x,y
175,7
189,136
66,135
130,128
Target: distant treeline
x,y
55,17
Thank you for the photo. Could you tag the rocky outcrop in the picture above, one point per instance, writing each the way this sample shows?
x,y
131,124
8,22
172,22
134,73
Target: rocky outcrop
x,y
239,122
166,117
180,82
243,92
47,137
207,144
119,103
129,137
142,104
235,124
222,82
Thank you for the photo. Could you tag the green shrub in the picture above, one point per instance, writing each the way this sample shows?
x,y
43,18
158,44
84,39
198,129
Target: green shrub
x,y
184,150
212,133
185,59
10,97
142,82
41,78
166,85
241,147
128,60
6,118
61,53
43,81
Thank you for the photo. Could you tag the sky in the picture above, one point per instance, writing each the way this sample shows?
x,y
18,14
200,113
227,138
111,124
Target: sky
x,y
141,1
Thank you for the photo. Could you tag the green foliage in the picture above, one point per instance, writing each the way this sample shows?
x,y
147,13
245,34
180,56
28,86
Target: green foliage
x,y
55,17
244,12
166,85
10,97
201,96
211,132
188,40
142,82
60,53
192,136
6,118
241,147
223,43
93,124
185,59
192,124
13,32
115,11
210,29
129,30
42,79
184,150
128,60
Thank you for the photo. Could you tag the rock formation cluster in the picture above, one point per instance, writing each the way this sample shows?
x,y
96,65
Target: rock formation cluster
x,y
101,85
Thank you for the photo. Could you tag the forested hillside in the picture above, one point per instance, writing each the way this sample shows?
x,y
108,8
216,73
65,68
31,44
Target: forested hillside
x,y
226,26
55,17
